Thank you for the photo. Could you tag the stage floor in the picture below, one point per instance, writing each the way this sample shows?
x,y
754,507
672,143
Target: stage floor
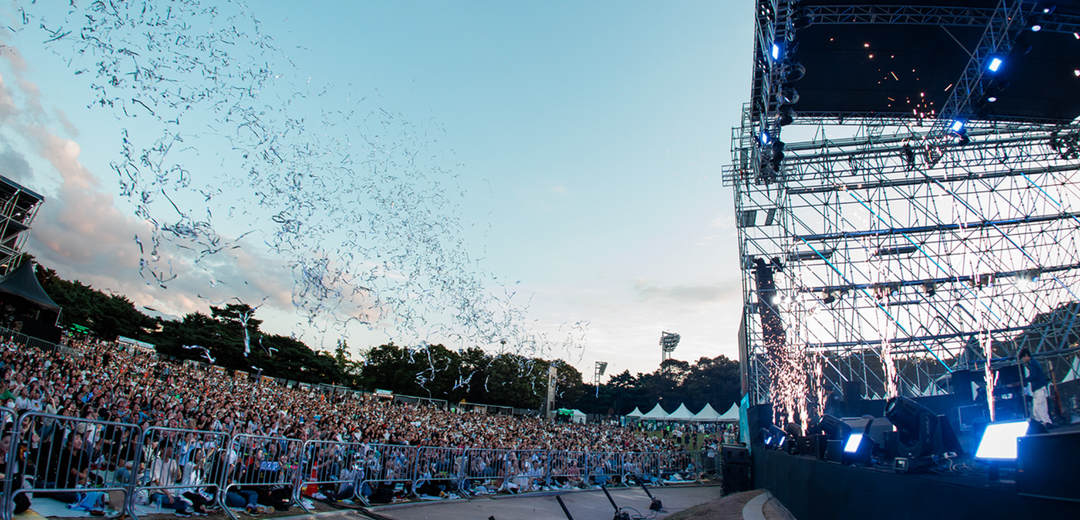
x,y
585,504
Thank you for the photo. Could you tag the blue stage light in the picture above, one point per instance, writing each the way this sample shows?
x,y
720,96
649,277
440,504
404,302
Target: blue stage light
x,y
957,126
764,138
999,440
853,442
995,64
775,51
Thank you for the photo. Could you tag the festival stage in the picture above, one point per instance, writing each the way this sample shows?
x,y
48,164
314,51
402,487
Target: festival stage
x,y
815,489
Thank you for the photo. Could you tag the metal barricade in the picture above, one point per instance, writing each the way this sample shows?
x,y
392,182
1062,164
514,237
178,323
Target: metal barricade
x,y
388,470
485,472
567,469
604,469
642,467
439,471
72,460
330,463
257,469
526,470
173,469
10,462
679,466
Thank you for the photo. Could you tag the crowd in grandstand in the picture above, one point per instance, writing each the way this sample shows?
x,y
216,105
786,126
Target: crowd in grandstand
x,y
101,381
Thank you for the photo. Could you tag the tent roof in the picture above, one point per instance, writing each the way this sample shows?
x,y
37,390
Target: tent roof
x,y
656,413
1074,371
635,413
22,283
708,413
681,413
577,413
732,414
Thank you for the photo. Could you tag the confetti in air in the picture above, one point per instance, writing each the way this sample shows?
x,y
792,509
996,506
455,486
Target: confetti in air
x,y
227,149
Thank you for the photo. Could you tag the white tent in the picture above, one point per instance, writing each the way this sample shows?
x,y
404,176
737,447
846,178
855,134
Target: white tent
x,y
578,417
732,414
1074,370
707,414
634,414
656,413
680,414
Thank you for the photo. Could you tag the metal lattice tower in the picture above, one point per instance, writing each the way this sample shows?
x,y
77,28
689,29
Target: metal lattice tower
x,y
887,249
18,207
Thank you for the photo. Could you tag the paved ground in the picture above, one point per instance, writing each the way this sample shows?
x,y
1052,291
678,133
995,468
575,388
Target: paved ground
x,y
583,505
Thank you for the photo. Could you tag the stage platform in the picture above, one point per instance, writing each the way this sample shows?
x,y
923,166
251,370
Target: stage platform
x,y
582,504
813,489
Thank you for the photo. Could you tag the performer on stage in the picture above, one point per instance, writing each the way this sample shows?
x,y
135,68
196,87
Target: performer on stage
x,y
1034,376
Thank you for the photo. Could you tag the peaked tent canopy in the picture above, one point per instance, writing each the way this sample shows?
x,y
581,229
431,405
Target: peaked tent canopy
x,y
708,413
732,414
22,283
680,414
656,413
1074,371
635,413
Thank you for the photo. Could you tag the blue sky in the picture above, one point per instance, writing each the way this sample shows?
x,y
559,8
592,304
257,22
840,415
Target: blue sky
x,y
588,140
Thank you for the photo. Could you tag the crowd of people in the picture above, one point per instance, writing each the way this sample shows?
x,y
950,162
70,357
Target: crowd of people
x,y
100,381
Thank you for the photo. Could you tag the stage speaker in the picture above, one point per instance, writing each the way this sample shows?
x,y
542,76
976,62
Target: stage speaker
x,y
834,451
853,400
731,454
1047,465
961,386
736,477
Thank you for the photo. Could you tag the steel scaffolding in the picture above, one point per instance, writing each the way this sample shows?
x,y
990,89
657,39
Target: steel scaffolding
x,y
899,252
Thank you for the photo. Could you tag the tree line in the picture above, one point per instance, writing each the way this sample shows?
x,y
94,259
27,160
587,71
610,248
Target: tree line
x,y
433,371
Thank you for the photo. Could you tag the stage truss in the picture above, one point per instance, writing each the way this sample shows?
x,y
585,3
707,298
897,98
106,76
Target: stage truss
x,y
887,249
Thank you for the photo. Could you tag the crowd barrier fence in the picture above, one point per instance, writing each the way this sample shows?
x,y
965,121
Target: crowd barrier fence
x,y
261,469
161,467
330,463
232,470
51,456
386,467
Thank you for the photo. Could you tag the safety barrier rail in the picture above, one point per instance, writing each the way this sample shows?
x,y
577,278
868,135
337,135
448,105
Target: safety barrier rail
x,y
173,469
115,467
330,464
260,470
70,459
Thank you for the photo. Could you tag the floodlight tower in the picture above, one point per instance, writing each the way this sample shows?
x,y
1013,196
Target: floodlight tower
x,y
18,207
598,371
668,342
899,220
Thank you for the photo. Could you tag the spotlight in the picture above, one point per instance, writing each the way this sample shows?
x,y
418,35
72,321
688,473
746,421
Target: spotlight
x,y
999,440
957,126
998,445
775,51
1076,73
1036,28
993,99
764,138
792,71
995,64
787,95
785,116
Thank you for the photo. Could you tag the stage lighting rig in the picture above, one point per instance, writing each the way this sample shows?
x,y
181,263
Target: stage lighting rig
x,y
921,433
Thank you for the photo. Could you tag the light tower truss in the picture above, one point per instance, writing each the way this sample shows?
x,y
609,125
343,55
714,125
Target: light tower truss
x,y
901,251
18,207
877,248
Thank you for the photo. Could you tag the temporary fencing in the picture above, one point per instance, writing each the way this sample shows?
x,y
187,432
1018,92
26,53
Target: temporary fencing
x,y
70,459
106,466
173,469
439,470
335,469
389,471
260,470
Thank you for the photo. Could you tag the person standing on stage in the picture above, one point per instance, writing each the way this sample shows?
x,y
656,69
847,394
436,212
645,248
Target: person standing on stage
x,y
1034,376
